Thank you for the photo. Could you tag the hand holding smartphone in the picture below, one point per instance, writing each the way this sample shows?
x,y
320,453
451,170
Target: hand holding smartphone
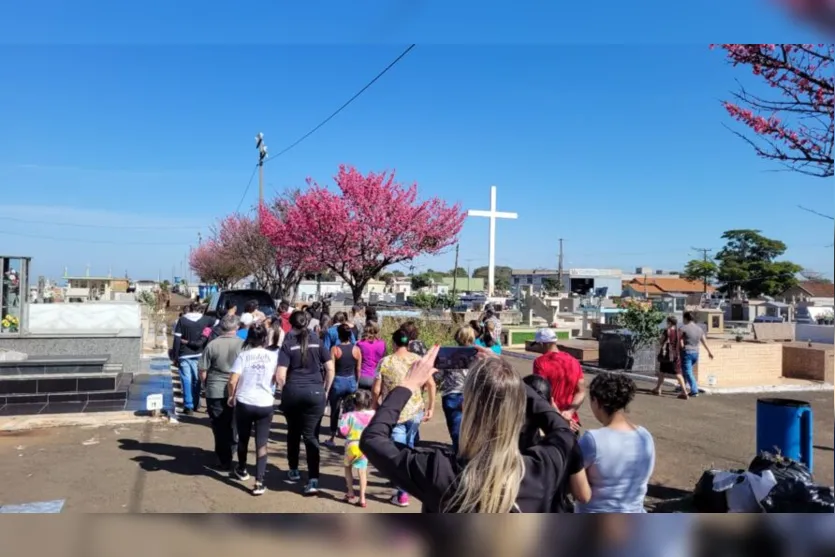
x,y
455,357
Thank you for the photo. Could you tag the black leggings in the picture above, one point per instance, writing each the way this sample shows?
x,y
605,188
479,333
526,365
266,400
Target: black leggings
x,y
303,409
261,417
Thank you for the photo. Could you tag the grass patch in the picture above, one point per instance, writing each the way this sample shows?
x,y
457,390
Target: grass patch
x,y
431,331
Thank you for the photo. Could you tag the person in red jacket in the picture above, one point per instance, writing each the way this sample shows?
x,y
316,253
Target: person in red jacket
x,y
563,371
285,313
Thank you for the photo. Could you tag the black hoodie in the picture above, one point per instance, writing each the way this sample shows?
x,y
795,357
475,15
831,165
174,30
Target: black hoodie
x,y
189,337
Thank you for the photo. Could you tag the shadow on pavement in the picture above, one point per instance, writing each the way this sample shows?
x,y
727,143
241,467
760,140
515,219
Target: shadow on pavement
x,y
665,493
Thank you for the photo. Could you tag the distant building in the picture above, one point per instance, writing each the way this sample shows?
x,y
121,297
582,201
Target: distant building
x,y
581,282
87,289
140,286
684,291
813,292
640,272
465,284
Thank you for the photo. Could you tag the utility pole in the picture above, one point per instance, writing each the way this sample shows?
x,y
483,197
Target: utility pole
x,y
262,155
559,267
455,274
704,251
646,295
469,262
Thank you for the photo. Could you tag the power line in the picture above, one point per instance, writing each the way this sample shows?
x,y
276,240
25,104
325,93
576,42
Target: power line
x,y
246,190
815,212
323,122
111,226
83,241
345,105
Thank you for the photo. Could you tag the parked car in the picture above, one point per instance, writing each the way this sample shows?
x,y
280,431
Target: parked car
x,y
240,297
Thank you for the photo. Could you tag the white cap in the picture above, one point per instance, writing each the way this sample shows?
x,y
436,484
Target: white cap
x,y
247,319
546,336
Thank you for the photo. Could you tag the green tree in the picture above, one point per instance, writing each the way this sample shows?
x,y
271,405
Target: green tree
x,y
748,263
502,283
460,272
701,270
643,322
421,281
503,276
552,285
424,300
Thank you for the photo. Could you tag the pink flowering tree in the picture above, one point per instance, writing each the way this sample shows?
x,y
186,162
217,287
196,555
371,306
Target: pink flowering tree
x,y
214,264
792,123
273,268
371,222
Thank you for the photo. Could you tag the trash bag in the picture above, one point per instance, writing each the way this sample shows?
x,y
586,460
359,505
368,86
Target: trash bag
x,y
782,467
795,496
732,491
705,498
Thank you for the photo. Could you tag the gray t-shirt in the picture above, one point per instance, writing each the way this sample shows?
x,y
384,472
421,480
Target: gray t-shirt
x,y
619,465
217,360
692,335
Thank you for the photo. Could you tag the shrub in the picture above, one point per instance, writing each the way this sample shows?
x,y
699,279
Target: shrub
x,y
431,332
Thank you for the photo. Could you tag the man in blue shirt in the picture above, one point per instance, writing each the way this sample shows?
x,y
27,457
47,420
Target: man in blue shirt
x,y
332,338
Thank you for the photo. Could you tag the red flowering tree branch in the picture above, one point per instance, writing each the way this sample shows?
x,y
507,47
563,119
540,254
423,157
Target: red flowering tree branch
x,y
211,261
273,268
370,223
794,125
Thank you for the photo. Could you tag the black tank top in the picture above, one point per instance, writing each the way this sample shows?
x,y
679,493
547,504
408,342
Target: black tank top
x,y
346,365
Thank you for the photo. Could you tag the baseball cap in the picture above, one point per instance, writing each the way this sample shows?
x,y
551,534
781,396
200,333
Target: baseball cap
x,y
247,319
546,336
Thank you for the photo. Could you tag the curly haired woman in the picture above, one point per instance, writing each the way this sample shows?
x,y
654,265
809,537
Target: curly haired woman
x,y
619,457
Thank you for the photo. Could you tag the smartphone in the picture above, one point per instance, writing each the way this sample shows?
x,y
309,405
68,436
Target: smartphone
x,y
455,357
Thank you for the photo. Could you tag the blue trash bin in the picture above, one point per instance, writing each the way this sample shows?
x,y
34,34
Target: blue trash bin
x,y
785,425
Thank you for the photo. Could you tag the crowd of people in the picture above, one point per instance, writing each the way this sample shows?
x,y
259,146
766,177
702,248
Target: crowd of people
x,y
517,444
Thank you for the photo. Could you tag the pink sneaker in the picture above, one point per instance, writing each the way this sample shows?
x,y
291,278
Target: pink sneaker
x,y
401,500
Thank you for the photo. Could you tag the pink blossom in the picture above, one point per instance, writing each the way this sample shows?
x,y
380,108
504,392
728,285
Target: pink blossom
x,y
370,223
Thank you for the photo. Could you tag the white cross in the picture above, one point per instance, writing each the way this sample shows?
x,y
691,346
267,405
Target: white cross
x,y
492,214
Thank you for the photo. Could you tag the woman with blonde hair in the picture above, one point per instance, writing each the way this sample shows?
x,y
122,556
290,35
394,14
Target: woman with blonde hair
x,y
489,473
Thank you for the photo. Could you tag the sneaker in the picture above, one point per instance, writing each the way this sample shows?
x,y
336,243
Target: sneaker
x,y
330,444
312,487
294,475
188,412
259,489
240,474
401,500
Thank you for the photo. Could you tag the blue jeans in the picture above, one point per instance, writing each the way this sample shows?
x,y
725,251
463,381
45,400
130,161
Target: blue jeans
x,y
405,434
453,410
341,388
688,360
190,382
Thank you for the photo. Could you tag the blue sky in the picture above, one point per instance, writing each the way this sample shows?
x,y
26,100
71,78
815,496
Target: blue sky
x,y
119,148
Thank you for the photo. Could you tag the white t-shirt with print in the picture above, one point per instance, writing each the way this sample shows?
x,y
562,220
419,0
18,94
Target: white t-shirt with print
x,y
256,368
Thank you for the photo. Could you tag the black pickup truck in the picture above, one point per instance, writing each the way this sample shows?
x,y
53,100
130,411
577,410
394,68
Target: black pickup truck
x,y
240,297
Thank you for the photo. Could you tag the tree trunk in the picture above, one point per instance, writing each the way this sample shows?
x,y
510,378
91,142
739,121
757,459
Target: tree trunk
x,y
356,290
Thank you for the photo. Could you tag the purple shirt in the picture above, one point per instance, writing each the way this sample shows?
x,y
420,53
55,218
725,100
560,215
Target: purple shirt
x,y
372,352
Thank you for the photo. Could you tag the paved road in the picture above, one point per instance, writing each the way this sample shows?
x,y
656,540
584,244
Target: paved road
x,y
154,468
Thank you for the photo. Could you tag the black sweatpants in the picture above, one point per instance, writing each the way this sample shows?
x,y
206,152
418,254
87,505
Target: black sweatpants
x,y
303,409
261,417
225,432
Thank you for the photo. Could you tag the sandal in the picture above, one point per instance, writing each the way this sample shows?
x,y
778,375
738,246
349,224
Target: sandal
x,y
351,499
683,396
656,392
362,504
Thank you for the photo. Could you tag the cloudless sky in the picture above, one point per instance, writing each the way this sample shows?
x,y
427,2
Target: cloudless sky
x,y
115,118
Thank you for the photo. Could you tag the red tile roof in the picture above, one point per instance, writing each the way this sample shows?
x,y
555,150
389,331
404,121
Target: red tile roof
x,y
817,288
658,285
